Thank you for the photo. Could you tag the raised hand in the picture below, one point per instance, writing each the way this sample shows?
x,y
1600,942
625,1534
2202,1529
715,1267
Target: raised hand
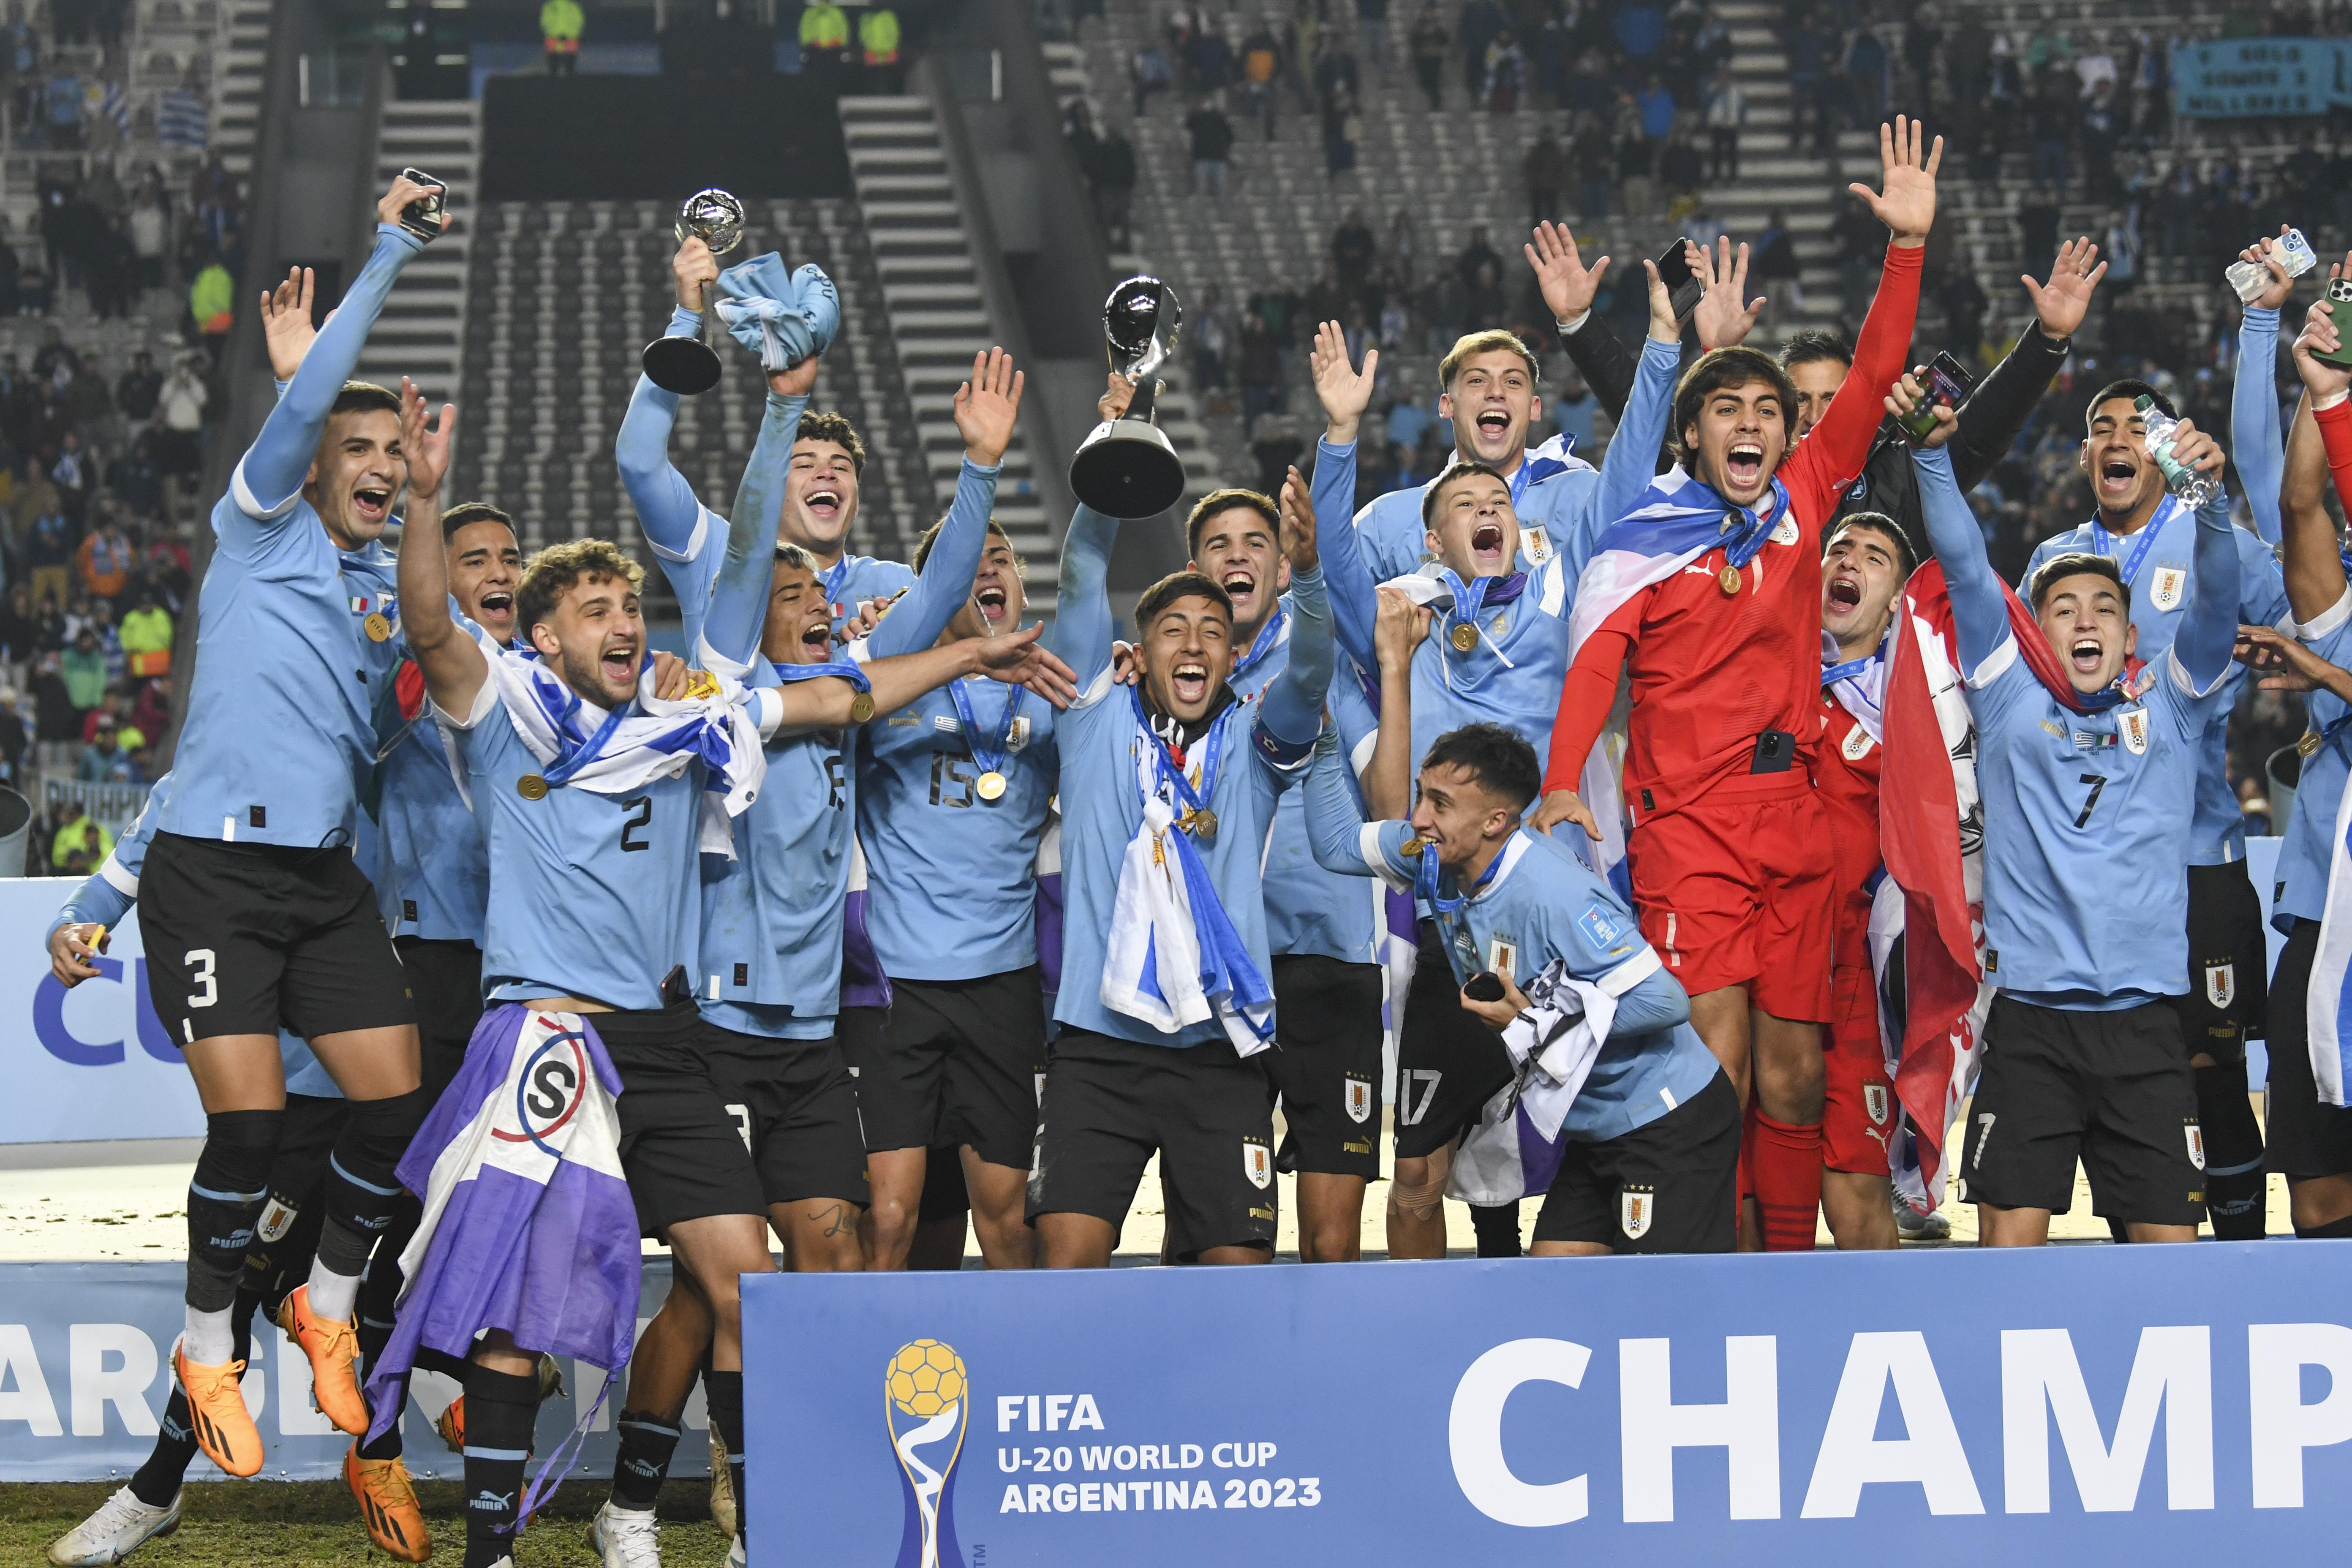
x,y
2323,334
1906,205
2193,449
396,200
1112,405
1664,328
1299,522
696,271
671,676
1721,319
1345,392
286,322
798,381
1567,285
1907,396
2061,303
1017,660
426,449
2264,254
1399,627
986,405
2284,664
1566,806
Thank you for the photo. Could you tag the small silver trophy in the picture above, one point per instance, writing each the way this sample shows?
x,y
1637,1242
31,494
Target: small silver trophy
x,y
691,366
1127,469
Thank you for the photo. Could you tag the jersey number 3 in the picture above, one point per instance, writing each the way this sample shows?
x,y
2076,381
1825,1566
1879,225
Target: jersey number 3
x,y
641,809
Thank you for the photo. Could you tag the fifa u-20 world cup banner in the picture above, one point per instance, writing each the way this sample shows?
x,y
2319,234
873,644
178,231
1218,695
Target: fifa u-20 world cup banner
x,y
2065,1405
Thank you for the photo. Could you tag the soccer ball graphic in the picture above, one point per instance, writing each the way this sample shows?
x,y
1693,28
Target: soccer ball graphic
x,y
926,1377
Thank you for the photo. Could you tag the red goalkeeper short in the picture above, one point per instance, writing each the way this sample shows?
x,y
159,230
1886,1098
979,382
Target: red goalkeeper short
x,y
1858,1111
1741,893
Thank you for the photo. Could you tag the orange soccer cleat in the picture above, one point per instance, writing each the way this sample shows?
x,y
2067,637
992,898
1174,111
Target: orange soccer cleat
x,y
224,1429
388,1505
451,1424
333,1347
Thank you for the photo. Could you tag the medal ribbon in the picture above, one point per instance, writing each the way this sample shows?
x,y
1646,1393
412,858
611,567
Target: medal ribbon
x,y
2104,543
990,758
1833,674
575,756
1169,763
832,582
843,669
1268,636
1425,881
1468,600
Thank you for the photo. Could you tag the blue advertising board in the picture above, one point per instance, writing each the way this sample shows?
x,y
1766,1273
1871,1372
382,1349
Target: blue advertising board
x,y
2067,1405
2246,77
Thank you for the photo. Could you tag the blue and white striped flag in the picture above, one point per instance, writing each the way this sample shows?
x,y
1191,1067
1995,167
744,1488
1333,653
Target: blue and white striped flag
x,y
182,118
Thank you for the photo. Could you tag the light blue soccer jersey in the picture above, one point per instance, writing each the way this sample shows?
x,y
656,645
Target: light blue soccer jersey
x,y
951,876
1309,909
591,895
2085,887
277,745
1543,906
2157,564
2302,881
1259,741
1560,516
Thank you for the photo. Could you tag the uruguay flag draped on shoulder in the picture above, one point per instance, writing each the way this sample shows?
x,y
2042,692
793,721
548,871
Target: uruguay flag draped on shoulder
x,y
528,1222
1677,519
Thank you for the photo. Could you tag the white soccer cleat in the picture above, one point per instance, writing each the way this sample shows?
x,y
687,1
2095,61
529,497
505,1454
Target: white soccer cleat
x,y
121,1525
626,1538
723,1487
735,1558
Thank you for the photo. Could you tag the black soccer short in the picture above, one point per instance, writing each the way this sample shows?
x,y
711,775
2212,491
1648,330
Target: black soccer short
x,y
245,939
445,979
945,1196
1326,1065
681,1149
796,1106
2303,1137
1449,1065
2228,957
2114,1089
951,1062
1110,1104
1669,1185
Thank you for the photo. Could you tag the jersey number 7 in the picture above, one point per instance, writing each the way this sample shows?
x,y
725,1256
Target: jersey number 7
x,y
2097,782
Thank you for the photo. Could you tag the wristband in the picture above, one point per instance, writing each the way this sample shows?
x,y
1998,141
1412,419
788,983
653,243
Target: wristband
x,y
2330,401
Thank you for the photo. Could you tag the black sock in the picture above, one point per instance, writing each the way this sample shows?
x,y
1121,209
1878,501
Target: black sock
x,y
157,1481
646,1444
1498,1229
724,1390
224,1197
501,1408
363,1195
2234,1193
379,1289
2334,1229
240,1323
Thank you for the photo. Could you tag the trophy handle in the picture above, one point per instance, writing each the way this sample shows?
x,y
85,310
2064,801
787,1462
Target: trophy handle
x,y
1147,393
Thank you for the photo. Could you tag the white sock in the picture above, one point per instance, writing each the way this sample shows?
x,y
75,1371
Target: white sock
x,y
333,1295
209,1341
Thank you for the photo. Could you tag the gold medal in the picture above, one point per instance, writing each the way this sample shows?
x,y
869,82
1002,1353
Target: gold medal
x,y
1465,637
861,707
378,628
1729,579
530,786
2307,743
1412,847
1201,824
990,785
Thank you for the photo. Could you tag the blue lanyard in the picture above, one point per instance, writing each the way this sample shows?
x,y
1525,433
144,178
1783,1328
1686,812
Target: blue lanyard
x,y
1268,636
831,582
1425,881
1468,599
1520,479
575,756
1848,670
2104,543
840,669
990,757
1170,772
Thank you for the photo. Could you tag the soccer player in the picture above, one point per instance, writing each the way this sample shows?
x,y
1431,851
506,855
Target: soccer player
x,y
1174,777
2309,1142
1864,566
1500,651
2085,888
255,913
820,494
1728,852
952,791
2152,538
1651,1141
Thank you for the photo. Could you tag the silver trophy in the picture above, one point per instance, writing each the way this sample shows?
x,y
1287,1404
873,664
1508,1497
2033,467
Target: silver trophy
x,y
1128,469
690,365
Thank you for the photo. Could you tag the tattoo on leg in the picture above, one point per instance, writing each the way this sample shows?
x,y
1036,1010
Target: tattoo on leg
x,y
840,1220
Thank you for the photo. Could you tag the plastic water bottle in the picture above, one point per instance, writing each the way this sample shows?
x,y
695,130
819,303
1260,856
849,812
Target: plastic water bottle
x,y
2193,488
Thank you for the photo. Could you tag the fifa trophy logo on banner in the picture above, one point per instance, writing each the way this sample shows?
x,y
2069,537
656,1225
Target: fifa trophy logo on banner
x,y
924,1406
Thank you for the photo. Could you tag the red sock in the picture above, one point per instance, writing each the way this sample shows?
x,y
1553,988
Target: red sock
x,y
1787,1174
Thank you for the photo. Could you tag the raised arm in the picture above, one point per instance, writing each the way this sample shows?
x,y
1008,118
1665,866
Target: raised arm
x,y
731,629
1345,392
1998,409
270,476
985,408
2322,438
1568,286
1387,779
1631,460
2209,630
1292,713
2254,435
666,506
1979,603
454,665
1342,840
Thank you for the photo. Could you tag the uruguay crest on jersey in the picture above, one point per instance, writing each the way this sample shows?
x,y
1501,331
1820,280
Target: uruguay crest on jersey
x,y
1873,1101
1636,1207
2169,587
1535,544
2221,983
2131,723
1360,1098
1257,1163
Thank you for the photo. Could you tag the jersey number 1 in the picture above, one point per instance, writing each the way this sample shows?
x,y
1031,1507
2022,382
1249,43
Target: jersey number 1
x,y
2097,782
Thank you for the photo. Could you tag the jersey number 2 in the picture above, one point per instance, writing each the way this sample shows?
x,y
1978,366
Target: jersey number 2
x,y
643,805
2097,782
